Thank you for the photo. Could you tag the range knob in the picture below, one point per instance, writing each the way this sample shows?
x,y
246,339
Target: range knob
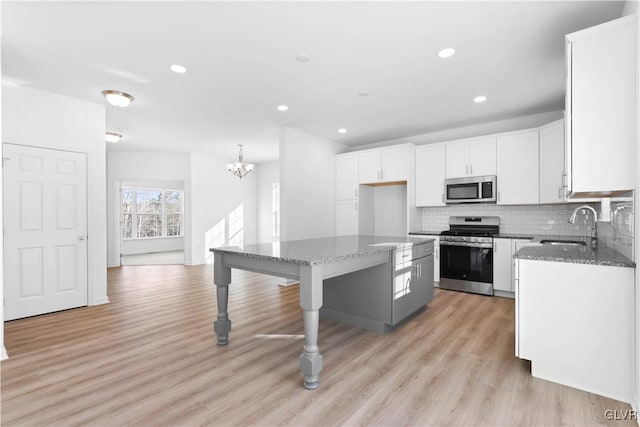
x,y
464,239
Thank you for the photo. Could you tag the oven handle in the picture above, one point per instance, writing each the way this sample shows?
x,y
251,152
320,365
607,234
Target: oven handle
x,y
467,245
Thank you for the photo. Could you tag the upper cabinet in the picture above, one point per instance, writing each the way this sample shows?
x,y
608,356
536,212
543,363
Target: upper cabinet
x,y
430,175
388,164
552,173
471,157
517,168
601,109
347,176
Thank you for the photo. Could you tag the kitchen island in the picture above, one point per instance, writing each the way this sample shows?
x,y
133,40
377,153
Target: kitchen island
x,y
310,261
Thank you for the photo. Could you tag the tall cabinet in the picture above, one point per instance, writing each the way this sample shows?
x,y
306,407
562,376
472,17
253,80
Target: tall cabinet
x,y
601,108
346,194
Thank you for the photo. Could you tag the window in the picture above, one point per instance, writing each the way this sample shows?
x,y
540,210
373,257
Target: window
x,y
150,212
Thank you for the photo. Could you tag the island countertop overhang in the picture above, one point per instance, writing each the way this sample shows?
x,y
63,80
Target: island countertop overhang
x,y
324,250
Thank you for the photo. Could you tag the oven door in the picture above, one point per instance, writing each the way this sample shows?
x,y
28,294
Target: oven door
x,y
467,267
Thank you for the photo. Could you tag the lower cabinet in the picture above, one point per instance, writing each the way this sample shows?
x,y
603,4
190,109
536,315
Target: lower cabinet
x,y
380,297
575,323
436,254
503,263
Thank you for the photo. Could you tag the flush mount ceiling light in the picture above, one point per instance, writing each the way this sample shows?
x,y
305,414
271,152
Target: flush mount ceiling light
x,y
282,108
363,93
342,130
112,137
479,99
447,52
180,69
239,169
117,98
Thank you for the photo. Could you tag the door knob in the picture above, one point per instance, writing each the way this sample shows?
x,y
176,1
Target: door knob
x,y
83,237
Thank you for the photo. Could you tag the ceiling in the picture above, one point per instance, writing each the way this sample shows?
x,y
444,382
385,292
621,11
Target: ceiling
x,y
241,61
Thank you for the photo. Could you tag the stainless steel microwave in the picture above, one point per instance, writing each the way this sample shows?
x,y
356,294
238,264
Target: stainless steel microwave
x,y
472,189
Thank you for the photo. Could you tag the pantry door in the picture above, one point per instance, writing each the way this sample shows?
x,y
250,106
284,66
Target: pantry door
x,y
45,230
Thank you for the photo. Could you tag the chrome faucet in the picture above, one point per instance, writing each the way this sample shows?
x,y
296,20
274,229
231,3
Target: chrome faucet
x,y
594,233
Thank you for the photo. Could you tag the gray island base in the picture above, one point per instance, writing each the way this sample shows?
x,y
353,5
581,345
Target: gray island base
x,y
311,262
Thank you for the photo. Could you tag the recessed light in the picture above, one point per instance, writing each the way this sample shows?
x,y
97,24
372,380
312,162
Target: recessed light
x,y
112,137
479,99
282,108
447,52
342,130
117,98
303,58
180,69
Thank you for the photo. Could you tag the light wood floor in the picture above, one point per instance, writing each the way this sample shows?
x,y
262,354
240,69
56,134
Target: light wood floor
x,y
150,358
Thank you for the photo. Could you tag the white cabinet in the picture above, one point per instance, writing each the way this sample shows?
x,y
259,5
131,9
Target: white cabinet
x,y
502,265
503,262
471,157
347,176
387,164
430,163
575,323
517,168
552,175
346,217
601,108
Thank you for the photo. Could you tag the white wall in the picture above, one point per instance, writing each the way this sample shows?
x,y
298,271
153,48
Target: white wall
x,y
162,170
631,7
42,119
307,185
507,125
268,174
215,194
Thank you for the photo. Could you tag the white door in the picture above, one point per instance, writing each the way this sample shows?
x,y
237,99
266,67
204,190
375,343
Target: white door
x,y
552,175
45,230
369,167
347,176
518,170
346,217
502,260
430,175
482,156
394,164
456,159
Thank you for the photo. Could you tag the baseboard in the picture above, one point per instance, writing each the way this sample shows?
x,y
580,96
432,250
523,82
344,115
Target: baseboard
x,y
545,377
113,265
504,294
100,301
634,406
3,353
288,282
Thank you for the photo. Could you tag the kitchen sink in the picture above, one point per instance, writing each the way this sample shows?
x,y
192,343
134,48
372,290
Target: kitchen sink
x,y
563,242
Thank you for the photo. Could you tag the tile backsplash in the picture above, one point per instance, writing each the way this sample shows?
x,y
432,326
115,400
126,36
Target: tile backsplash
x,y
544,220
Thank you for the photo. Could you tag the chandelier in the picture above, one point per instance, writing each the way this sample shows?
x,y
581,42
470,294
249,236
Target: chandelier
x,y
239,169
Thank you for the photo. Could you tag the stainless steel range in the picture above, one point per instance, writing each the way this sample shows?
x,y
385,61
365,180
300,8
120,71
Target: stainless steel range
x,y
466,254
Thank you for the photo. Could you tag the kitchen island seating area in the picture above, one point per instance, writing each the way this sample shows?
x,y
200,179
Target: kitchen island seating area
x,y
311,262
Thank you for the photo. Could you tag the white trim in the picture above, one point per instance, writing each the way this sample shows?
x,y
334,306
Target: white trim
x,y
100,301
3,353
537,374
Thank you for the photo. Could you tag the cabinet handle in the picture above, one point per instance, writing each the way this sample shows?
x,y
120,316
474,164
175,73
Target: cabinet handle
x,y
498,196
495,249
442,197
560,193
356,192
356,206
471,169
382,174
466,169
436,252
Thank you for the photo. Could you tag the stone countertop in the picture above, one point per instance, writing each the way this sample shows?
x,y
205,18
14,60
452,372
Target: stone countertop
x,y
602,255
425,233
324,250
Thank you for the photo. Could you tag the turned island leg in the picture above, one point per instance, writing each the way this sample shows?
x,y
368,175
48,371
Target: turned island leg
x,y
222,279
311,301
